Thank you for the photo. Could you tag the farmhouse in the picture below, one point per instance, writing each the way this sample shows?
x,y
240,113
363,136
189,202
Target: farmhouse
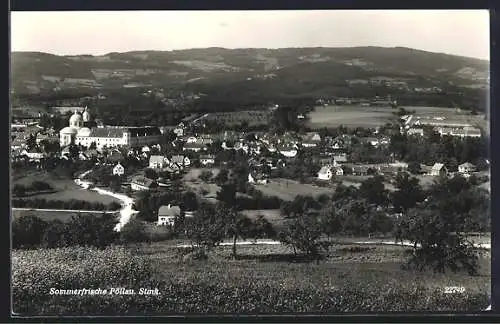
x,y
18,143
34,155
191,139
179,130
168,214
360,170
415,131
288,151
194,147
466,168
141,183
118,170
157,161
180,160
257,178
115,156
206,160
327,172
439,169
466,132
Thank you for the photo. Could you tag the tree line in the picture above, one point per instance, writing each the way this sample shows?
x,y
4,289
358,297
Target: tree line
x,y
72,204
85,230
36,186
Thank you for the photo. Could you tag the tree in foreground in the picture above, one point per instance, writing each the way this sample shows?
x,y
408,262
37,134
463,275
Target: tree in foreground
x,y
236,225
207,229
92,230
436,242
303,233
409,193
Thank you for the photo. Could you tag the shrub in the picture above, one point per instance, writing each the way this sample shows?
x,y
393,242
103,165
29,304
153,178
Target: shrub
x,y
133,232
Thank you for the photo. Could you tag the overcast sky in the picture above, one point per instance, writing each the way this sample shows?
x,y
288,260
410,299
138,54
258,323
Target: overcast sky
x,y
464,32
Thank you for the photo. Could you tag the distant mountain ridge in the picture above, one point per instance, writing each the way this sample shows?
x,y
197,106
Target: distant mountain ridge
x,y
195,68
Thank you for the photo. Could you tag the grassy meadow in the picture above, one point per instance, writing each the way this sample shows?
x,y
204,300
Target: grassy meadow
x,y
358,116
65,189
288,189
264,279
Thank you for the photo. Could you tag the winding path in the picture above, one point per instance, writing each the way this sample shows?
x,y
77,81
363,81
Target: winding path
x,y
127,210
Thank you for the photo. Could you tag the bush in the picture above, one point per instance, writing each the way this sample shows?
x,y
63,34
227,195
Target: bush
x,y
133,232
206,175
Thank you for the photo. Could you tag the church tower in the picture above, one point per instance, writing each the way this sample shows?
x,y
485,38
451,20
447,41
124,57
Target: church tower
x,y
86,115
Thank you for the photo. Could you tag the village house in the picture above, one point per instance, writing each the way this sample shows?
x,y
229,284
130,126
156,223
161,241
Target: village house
x,y
89,154
179,130
241,146
140,183
373,141
466,168
118,170
207,160
324,159
328,171
180,160
257,178
288,151
340,158
46,137
311,139
309,143
466,132
115,156
168,214
360,170
18,143
34,155
416,131
205,139
194,147
439,169
158,161
191,139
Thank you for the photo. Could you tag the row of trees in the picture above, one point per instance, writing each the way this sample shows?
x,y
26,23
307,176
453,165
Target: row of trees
x,y
86,230
36,186
72,204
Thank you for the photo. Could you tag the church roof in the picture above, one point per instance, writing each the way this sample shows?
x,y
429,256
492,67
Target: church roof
x,y
68,130
75,117
107,132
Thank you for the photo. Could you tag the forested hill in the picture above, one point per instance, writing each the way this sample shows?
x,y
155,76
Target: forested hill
x,y
183,65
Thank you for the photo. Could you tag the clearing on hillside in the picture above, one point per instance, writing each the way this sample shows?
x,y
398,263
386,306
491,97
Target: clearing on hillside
x,y
65,189
288,189
357,116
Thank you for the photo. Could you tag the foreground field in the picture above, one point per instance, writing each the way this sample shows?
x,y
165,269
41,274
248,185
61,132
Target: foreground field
x,y
357,116
288,189
65,189
262,280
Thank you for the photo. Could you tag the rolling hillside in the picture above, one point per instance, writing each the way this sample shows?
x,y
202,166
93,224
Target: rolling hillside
x,y
251,73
